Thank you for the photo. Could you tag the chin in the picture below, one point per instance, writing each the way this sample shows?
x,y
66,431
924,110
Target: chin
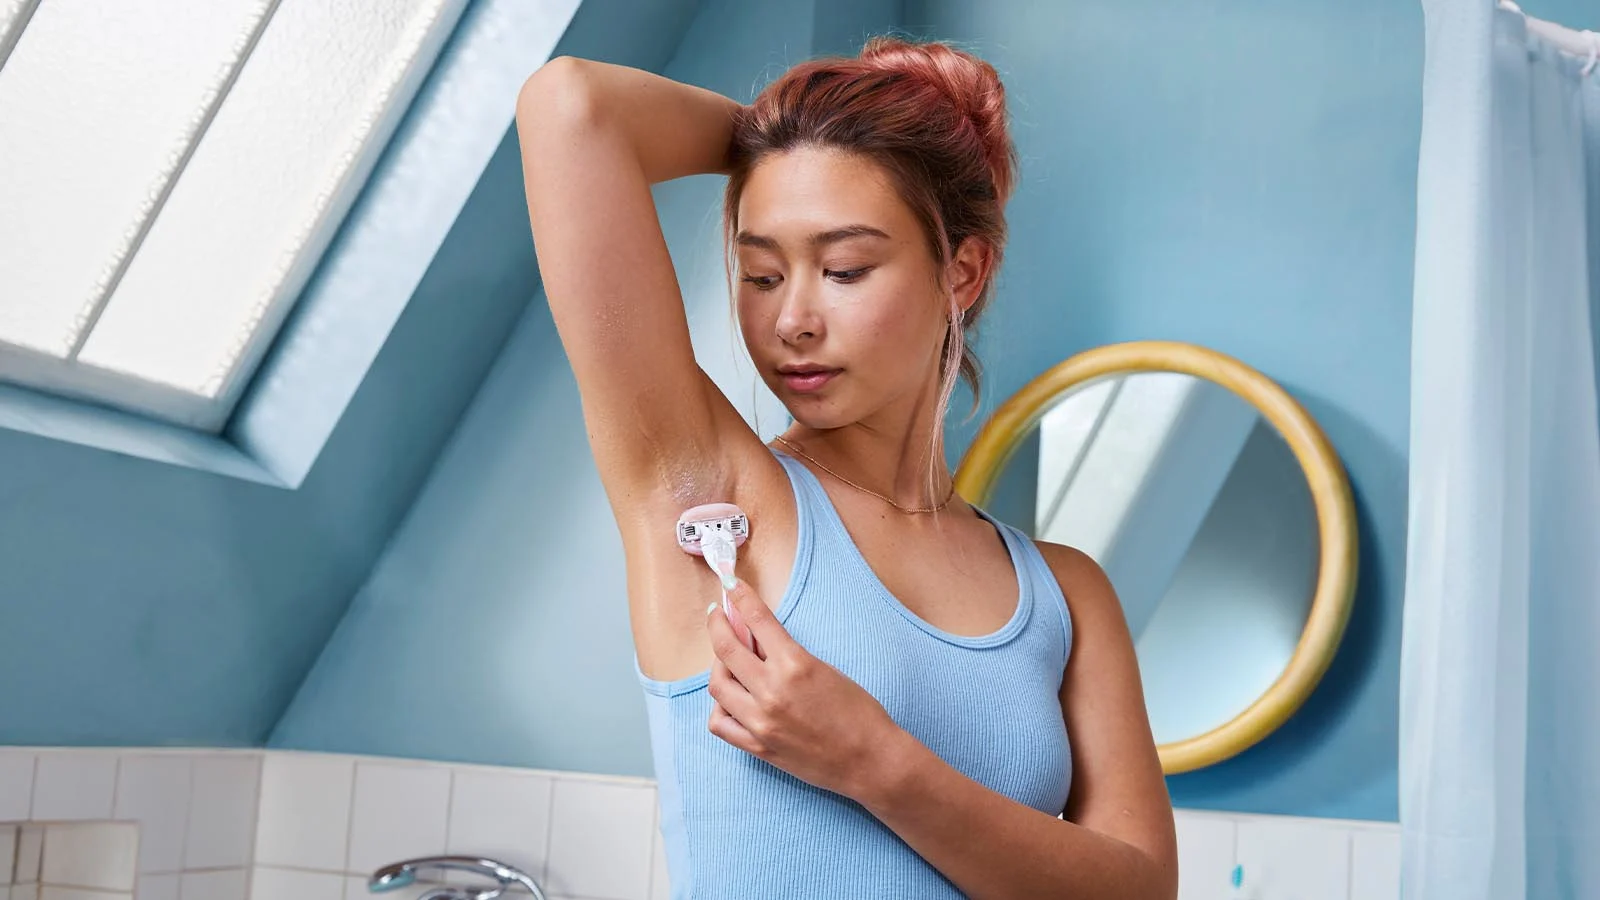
x,y
816,414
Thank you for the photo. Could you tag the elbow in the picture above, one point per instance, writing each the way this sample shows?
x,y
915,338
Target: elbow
x,y
1163,880
1149,884
560,97
1150,875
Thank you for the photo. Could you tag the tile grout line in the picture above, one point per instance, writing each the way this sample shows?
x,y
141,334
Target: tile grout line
x,y
282,868
138,826
188,821
449,810
33,784
350,816
79,887
260,758
116,784
1350,865
549,831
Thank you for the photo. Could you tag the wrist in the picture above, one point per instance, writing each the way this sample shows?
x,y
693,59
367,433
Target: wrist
x,y
896,766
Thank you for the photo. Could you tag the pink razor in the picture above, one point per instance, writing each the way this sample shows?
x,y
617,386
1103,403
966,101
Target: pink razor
x,y
694,524
713,531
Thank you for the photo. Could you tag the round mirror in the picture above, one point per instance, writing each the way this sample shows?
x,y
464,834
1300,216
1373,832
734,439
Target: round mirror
x,y
1216,507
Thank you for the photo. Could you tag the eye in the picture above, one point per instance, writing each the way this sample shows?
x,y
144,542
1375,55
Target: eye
x,y
846,276
762,282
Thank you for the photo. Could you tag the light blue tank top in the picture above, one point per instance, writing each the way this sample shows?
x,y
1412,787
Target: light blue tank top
x,y
739,828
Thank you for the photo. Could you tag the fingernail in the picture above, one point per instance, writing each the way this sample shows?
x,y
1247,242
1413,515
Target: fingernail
x,y
729,582
710,609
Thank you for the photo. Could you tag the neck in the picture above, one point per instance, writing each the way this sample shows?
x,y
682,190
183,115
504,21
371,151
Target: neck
x,y
887,453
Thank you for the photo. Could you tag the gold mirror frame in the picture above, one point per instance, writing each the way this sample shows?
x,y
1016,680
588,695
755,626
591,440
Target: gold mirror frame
x,y
1334,593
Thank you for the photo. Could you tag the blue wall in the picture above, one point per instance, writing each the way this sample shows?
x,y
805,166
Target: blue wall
x,y
1241,175
149,604
146,603
491,631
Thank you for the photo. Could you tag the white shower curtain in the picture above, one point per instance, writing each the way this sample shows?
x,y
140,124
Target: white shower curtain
x,y
1500,660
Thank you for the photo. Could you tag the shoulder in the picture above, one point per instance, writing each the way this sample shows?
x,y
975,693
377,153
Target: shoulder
x,y
1080,577
1092,602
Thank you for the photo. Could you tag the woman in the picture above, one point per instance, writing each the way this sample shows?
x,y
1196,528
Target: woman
x,y
920,715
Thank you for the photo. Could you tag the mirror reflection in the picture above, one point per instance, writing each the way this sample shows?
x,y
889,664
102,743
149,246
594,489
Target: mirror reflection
x,y
1199,513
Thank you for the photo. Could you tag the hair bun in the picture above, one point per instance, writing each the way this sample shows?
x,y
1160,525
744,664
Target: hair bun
x,y
970,83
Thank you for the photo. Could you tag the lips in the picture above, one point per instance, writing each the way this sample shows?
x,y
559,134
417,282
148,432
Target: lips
x,y
806,379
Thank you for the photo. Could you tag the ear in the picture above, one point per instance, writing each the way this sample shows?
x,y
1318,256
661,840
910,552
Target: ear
x,y
968,271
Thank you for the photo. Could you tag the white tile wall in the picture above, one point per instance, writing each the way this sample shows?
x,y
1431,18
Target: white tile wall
x,y
1304,858
270,883
153,790
504,815
1205,857
600,839
1375,864
305,811
223,809
276,825
16,785
167,804
218,884
100,856
328,814
8,854
30,853
158,887
74,784
402,811
56,892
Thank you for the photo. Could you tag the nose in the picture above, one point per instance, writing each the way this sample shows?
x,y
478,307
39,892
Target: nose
x,y
800,318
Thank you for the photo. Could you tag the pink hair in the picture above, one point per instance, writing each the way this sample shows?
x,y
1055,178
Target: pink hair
x,y
935,119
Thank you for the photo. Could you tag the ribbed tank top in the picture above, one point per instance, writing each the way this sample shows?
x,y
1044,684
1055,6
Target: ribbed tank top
x,y
739,828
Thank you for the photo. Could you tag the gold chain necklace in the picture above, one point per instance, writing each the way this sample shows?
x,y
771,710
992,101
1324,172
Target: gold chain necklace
x,y
889,500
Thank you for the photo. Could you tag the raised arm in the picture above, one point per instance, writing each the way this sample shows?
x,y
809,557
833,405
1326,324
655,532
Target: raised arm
x,y
594,137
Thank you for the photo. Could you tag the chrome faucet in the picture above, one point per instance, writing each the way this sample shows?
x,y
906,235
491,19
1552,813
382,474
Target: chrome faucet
x,y
403,874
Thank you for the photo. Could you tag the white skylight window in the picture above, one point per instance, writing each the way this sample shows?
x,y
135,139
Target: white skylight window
x,y
170,173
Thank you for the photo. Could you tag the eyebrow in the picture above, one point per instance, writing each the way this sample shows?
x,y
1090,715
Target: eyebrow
x,y
820,239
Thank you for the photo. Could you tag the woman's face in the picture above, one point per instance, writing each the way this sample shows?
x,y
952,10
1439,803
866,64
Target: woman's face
x,y
837,290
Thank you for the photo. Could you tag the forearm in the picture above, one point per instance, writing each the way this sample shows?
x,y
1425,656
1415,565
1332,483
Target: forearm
x,y
672,129
994,847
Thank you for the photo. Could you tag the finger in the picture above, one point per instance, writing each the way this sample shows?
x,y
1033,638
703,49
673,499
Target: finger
x,y
769,632
744,663
732,696
739,628
728,729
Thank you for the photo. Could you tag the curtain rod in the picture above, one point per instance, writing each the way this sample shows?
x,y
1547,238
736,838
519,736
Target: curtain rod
x,y
1585,44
